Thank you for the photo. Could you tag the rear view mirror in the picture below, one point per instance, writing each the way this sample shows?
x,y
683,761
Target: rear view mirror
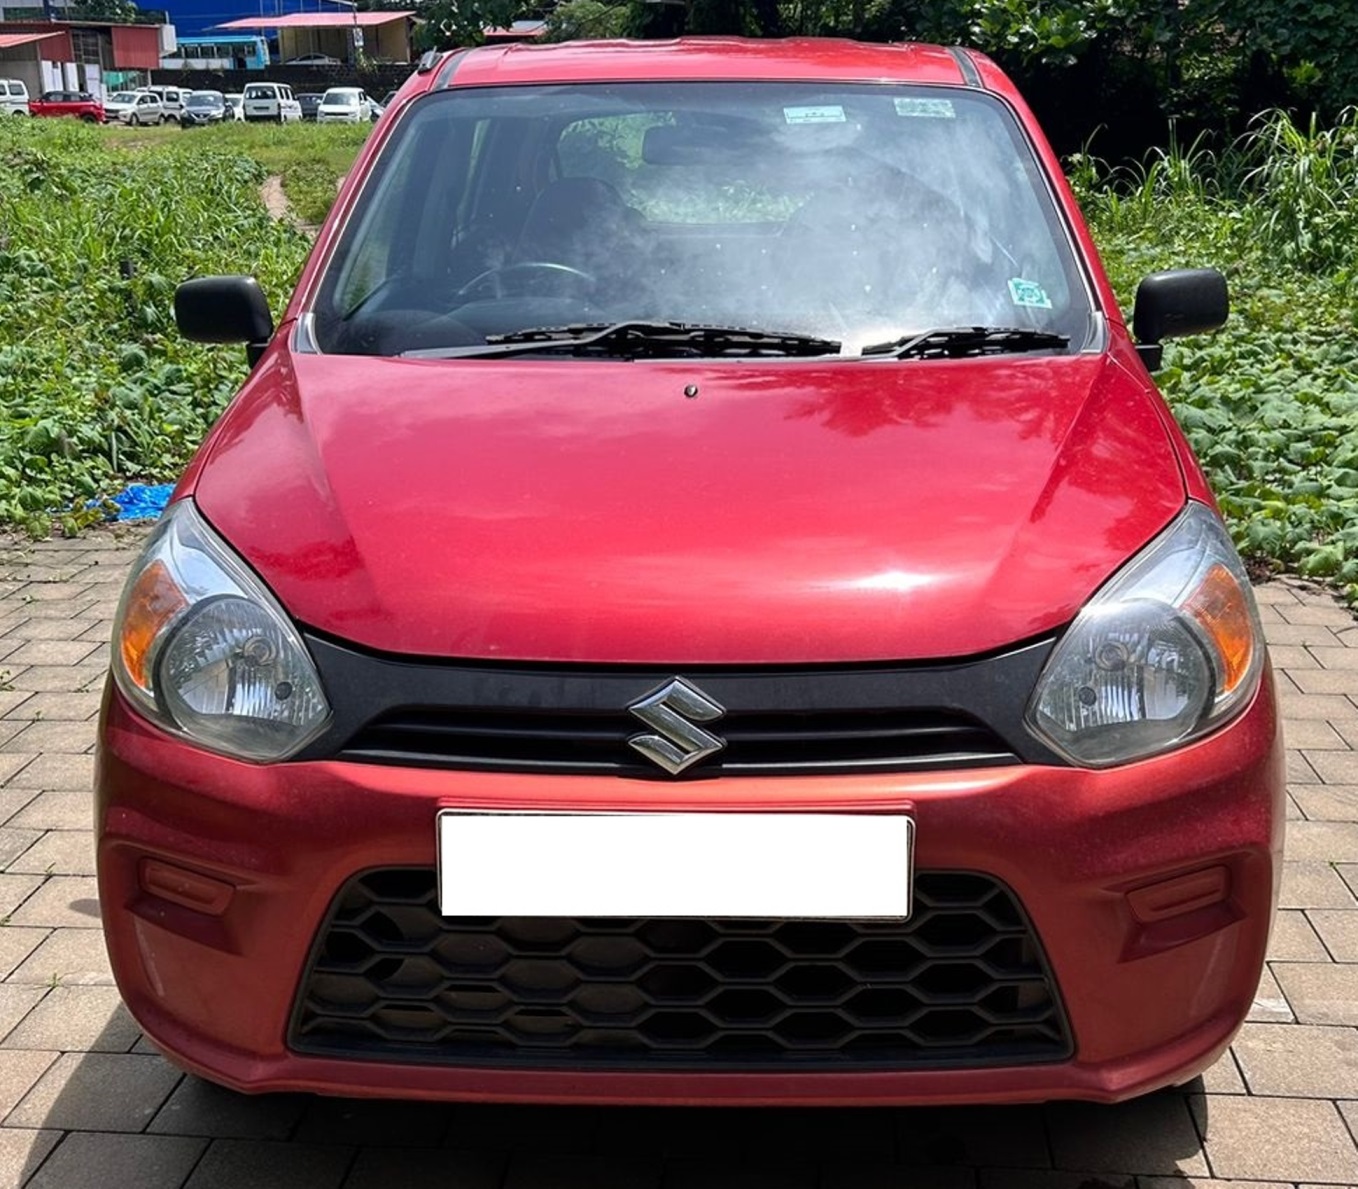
x,y
224,310
1177,303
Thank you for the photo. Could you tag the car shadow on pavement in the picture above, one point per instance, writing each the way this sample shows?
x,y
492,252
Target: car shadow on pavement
x,y
120,1116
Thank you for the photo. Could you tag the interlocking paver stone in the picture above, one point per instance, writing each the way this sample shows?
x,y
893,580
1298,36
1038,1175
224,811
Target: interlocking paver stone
x,y
1313,734
13,843
91,1161
1320,993
260,1164
74,773
1338,930
97,1092
1154,1134
58,852
19,1070
62,901
53,707
64,957
374,1122
1314,884
55,810
1328,802
1305,1061
52,652
1294,939
21,1152
16,944
83,1019
62,738
1269,1003
1326,842
1276,1139
199,1108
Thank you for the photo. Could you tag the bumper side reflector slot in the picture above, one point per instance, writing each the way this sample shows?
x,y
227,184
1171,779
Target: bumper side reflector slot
x,y
1180,895
188,889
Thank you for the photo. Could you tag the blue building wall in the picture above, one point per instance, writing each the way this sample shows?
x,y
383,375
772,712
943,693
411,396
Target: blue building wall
x,y
199,18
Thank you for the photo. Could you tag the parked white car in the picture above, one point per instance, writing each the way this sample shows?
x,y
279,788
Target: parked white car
x,y
13,97
235,104
271,101
344,105
172,100
133,107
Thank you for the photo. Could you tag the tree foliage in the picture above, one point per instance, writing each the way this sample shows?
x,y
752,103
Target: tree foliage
x,y
1134,67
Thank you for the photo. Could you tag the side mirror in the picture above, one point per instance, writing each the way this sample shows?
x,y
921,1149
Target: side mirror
x,y
1177,303
224,310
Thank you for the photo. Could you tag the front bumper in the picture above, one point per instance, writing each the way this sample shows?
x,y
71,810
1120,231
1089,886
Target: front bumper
x,y
1152,996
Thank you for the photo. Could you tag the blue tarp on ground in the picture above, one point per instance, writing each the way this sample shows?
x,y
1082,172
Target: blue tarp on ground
x,y
142,501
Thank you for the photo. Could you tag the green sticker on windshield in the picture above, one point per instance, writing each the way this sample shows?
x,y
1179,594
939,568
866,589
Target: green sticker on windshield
x,y
1028,293
814,115
928,109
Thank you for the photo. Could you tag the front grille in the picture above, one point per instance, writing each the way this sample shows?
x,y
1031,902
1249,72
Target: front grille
x,y
755,743
963,982
777,720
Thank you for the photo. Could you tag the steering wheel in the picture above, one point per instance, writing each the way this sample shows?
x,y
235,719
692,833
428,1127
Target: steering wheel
x,y
497,282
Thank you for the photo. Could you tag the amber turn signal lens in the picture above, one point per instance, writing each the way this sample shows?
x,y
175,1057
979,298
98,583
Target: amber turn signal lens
x,y
152,602
1220,608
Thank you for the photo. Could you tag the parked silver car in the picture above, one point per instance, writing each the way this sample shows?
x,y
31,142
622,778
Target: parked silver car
x,y
133,107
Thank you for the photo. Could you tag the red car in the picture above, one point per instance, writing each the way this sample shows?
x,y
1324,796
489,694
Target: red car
x,y
79,104
699,600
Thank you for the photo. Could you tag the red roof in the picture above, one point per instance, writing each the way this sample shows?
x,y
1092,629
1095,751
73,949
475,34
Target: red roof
x,y
317,20
713,58
10,40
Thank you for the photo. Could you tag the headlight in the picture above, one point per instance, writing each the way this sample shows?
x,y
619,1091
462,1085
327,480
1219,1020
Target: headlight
x,y
202,648
1167,651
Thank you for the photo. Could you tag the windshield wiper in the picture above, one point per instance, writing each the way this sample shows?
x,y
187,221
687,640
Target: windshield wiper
x,y
637,340
959,342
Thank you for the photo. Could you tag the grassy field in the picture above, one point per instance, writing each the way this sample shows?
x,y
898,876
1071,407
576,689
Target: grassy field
x,y
97,225
308,157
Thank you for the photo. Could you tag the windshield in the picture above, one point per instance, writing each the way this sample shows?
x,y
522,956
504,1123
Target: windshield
x,y
124,97
859,213
206,99
340,99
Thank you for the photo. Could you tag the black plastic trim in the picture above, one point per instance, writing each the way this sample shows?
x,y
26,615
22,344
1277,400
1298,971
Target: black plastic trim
x,y
990,693
826,1061
970,75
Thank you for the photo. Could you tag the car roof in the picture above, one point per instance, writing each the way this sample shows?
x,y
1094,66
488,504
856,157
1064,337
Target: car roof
x,y
717,59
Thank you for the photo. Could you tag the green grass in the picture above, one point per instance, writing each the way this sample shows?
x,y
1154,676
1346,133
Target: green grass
x,y
1270,403
310,158
96,386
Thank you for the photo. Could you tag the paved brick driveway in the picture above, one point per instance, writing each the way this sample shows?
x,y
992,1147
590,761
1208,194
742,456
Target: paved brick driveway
x,y
86,1102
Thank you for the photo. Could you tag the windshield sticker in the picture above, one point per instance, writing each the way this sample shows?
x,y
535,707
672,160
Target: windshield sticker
x,y
1028,293
814,115
927,109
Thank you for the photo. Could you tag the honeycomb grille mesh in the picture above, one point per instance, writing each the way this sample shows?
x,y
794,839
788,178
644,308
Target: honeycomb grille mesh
x,y
963,982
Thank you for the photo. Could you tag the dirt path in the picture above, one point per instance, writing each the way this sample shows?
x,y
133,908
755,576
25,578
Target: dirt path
x,y
275,201
278,206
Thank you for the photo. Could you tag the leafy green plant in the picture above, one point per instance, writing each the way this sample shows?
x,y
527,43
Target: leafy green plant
x,y
96,386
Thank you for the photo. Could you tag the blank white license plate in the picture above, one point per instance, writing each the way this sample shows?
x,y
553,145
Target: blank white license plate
x,y
675,864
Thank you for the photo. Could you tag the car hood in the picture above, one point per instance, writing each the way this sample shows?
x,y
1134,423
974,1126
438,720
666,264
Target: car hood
x,y
601,511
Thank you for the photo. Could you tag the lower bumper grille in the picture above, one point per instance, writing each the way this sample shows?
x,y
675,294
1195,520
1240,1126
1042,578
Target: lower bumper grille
x,y
963,982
